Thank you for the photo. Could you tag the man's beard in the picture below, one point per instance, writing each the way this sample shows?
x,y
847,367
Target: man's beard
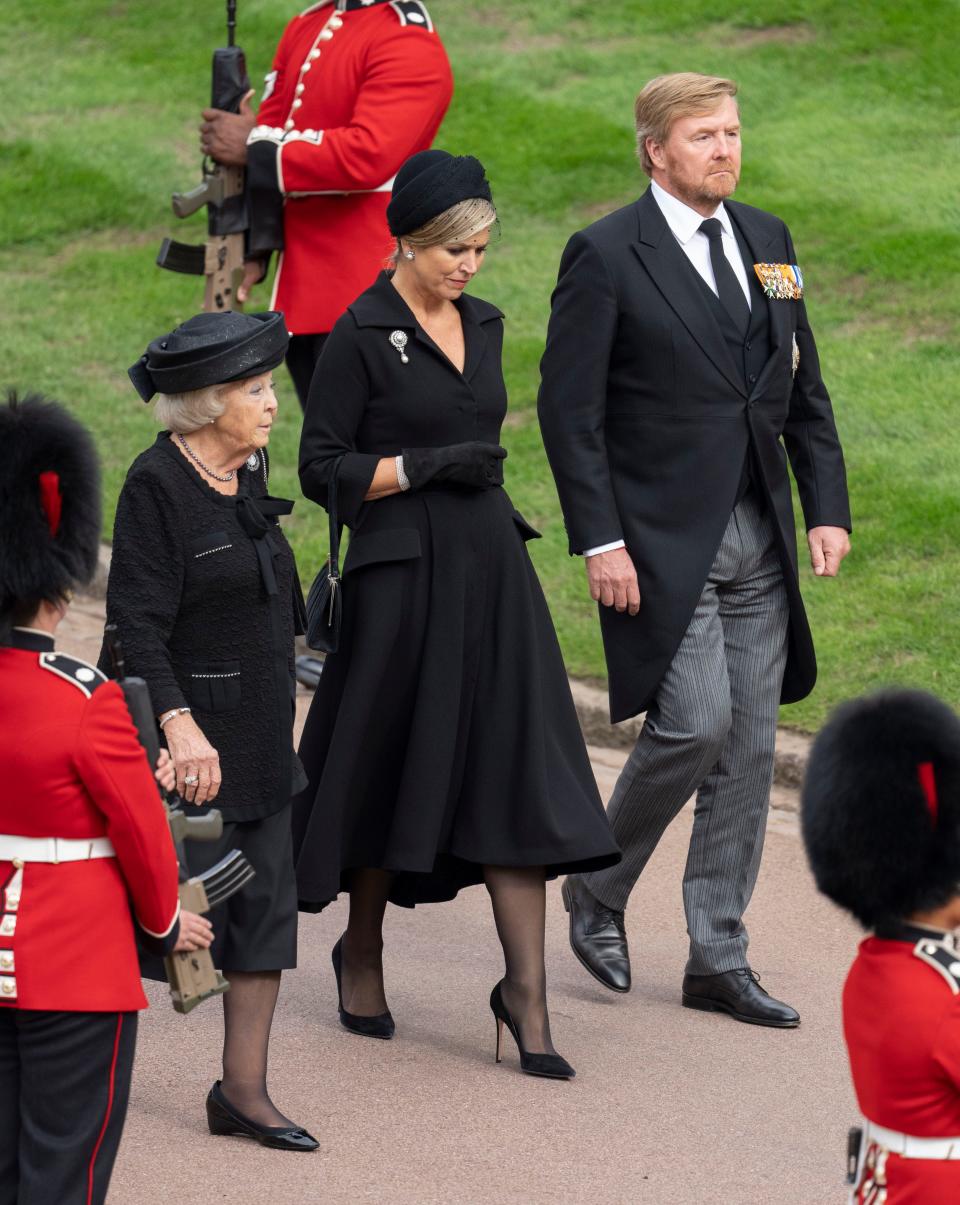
x,y
712,190
716,187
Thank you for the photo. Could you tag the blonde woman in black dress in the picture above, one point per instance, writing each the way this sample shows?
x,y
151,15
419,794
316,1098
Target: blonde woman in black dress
x,y
442,746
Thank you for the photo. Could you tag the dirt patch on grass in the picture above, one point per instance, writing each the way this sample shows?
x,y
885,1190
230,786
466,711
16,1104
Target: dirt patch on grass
x,y
929,328
599,209
853,287
46,265
794,34
519,42
518,415
527,43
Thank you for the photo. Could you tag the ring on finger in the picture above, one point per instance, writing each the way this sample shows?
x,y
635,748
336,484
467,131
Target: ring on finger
x,y
191,779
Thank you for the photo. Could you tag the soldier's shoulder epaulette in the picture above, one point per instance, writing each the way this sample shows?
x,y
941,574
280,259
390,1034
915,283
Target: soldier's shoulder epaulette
x,y
943,958
84,677
412,12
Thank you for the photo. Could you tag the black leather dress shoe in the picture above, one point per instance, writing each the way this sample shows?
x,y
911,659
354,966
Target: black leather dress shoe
x,y
597,936
223,1118
738,993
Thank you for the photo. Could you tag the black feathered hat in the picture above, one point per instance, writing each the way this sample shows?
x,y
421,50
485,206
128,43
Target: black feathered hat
x,y
430,183
211,349
881,806
49,504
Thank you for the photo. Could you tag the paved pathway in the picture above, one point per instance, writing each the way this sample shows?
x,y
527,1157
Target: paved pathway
x,y
669,1107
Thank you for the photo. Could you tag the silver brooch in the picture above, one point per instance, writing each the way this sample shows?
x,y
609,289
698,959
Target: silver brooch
x,y
399,340
253,461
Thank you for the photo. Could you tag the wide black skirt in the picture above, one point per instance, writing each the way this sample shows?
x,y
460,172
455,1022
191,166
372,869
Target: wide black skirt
x,y
442,736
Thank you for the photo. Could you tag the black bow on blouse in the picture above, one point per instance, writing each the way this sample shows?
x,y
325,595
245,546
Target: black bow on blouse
x,y
255,515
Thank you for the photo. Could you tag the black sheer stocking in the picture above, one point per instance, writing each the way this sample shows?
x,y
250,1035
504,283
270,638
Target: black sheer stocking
x,y
362,948
519,909
247,1016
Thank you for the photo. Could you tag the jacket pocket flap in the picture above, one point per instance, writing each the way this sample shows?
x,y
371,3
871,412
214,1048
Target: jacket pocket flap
x,y
210,541
394,544
528,532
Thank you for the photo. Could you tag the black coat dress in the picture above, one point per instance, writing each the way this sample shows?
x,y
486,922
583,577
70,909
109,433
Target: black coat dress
x,y
442,736
647,418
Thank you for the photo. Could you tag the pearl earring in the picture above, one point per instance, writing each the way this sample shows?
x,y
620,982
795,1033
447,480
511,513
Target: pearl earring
x,y
409,255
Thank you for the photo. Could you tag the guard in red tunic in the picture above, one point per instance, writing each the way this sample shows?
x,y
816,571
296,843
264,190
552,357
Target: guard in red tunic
x,y
881,823
83,837
357,87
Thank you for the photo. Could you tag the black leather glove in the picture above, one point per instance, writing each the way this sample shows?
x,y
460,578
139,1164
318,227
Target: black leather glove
x,y
474,465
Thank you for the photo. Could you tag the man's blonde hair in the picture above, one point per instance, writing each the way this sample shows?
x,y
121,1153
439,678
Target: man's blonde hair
x,y
669,97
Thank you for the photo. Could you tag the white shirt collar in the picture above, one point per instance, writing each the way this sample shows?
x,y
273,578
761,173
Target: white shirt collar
x,y
682,220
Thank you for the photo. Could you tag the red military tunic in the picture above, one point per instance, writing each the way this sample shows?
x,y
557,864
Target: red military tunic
x,y
352,95
901,1019
72,767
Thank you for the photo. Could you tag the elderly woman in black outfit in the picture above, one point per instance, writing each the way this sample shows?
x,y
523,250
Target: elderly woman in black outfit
x,y
442,745
204,592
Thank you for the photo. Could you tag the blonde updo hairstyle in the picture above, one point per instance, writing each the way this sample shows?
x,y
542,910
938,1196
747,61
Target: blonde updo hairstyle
x,y
183,413
454,225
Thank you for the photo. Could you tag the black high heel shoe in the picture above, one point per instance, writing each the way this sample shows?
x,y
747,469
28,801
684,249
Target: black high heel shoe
x,y
380,1026
223,1118
551,1066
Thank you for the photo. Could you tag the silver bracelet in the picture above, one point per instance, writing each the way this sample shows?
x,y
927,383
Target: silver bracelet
x,y
168,715
402,479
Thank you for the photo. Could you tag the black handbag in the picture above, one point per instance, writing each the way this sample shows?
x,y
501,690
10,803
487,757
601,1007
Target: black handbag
x,y
324,602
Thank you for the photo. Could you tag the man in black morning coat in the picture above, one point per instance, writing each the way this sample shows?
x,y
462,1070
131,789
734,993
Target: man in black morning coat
x,y
677,356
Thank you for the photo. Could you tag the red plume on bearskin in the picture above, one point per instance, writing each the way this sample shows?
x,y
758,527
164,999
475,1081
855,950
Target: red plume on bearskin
x,y
49,503
51,499
881,806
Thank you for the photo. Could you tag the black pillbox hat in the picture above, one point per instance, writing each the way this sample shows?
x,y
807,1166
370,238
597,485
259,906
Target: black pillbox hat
x,y
211,349
430,183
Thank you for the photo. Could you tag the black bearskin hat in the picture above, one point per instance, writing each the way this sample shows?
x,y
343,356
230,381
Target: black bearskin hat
x,y
49,504
881,806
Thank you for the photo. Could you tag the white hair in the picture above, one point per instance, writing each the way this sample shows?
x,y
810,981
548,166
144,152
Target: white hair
x,y
185,412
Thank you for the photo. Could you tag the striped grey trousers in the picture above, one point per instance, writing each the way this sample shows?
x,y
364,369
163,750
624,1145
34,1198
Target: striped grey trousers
x,y
711,729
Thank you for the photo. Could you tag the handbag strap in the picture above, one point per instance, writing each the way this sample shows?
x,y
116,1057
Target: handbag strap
x,y
333,489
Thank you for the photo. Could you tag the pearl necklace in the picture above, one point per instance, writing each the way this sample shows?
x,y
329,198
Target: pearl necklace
x,y
197,461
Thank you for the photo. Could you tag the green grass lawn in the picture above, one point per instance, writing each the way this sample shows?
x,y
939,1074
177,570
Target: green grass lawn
x,y
850,134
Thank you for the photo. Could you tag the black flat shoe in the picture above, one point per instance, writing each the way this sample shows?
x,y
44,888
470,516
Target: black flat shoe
x,y
223,1118
598,936
380,1026
739,994
550,1066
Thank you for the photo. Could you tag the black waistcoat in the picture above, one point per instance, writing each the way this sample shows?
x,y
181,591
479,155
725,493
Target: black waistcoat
x,y
751,351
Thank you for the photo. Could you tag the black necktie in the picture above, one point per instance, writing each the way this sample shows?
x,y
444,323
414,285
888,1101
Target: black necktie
x,y
728,287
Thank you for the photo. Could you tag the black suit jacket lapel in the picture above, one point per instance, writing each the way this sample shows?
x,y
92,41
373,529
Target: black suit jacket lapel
x,y
673,274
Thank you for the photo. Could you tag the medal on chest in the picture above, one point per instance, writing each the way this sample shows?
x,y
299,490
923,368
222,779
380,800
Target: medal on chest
x,y
782,282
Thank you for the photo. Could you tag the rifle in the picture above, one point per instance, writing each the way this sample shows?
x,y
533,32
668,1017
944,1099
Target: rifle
x,y
220,259
192,976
